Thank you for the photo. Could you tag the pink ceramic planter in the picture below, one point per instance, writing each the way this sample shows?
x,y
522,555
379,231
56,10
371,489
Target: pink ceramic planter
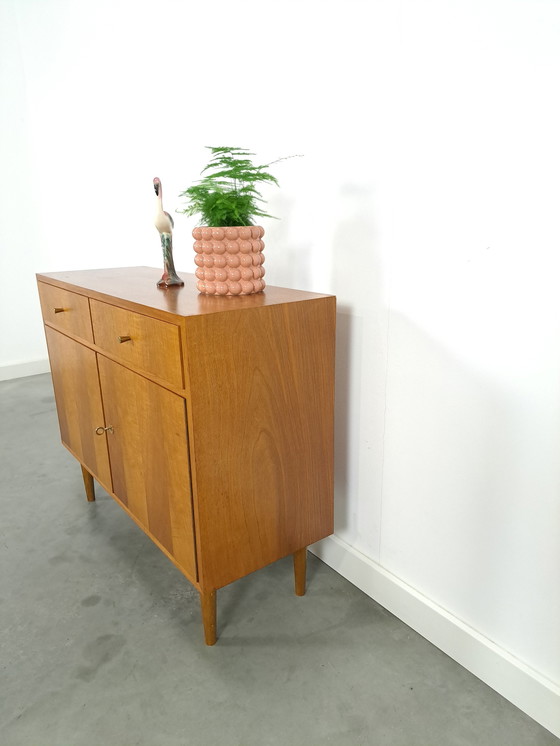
x,y
229,260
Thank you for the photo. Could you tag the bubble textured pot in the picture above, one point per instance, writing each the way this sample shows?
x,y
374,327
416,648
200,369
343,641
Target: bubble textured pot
x,y
229,261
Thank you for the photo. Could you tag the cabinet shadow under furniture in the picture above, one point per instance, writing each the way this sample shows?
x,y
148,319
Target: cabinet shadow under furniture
x,y
208,419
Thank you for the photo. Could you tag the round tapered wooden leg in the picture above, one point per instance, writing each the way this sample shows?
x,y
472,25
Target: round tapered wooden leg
x,y
300,570
208,606
88,484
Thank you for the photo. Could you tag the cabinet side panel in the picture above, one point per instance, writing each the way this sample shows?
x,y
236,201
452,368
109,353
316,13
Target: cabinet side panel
x,y
262,389
78,402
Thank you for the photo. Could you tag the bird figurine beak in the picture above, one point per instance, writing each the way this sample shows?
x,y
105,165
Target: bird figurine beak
x,y
156,189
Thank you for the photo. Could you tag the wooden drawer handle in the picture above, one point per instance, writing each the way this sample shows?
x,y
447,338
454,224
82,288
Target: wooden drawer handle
x,y
102,430
59,310
124,339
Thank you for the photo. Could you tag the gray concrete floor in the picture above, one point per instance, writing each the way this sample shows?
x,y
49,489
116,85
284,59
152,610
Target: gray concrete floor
x,y
101,639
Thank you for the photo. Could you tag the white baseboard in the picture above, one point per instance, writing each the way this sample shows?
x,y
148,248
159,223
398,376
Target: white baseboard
x,y
526,688
20,370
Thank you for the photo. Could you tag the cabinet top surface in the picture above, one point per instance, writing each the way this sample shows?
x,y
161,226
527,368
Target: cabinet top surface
x,y
137,285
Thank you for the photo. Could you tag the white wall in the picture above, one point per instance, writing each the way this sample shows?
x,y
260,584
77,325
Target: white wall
x,y
427,201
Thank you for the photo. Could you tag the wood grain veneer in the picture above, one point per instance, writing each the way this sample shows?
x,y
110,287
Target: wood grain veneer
x,y
66,311
149,458
148,344
262,411
78,402
214,420
135,288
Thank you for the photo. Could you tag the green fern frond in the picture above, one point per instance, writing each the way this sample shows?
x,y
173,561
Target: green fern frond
x,y
227,194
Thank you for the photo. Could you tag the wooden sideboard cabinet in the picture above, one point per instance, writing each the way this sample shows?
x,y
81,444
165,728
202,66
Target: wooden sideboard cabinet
x,y
208,419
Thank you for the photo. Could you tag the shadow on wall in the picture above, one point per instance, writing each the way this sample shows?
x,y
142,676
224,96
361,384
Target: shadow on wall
x,y
344,458
289,261
468,485
357,279
356,268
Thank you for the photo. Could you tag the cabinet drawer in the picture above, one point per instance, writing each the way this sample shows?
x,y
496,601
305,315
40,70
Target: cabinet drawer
x,y
67,311
152,345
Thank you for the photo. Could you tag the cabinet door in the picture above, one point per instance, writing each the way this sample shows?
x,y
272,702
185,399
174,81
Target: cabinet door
x,y
78,401
149,458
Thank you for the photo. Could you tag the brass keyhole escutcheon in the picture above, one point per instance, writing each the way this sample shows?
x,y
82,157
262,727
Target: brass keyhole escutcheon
x,y
100,430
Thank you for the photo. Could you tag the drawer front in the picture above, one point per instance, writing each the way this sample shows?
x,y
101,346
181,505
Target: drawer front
x,y
68,311
149,344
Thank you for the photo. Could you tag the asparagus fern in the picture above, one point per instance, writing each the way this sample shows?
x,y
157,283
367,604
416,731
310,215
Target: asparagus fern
x,y
227,194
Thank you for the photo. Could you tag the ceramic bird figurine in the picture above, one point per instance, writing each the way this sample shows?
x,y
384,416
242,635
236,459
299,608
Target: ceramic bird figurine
x,y
164,223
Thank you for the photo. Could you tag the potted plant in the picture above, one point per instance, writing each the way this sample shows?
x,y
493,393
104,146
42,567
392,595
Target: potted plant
x,y
228,245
